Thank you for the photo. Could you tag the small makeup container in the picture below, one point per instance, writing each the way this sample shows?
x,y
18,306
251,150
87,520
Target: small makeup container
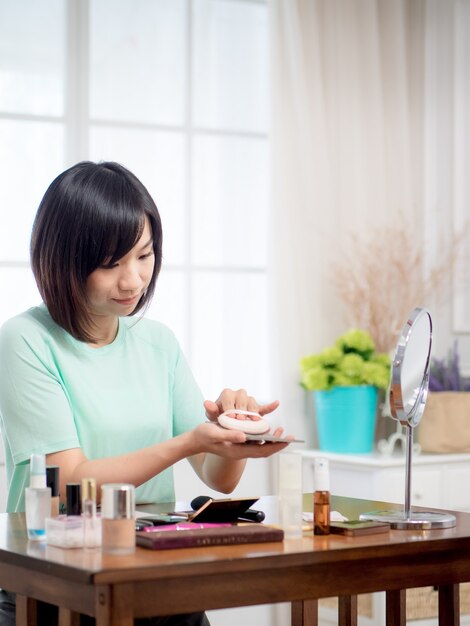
x,y
91,522
117,518
52,481
65,531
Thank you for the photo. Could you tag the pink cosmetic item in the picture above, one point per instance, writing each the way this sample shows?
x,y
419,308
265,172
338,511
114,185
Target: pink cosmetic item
x,y
249,426
184,526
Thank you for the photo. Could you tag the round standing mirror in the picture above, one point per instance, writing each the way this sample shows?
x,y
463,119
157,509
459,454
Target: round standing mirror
x,y
410,369
408,393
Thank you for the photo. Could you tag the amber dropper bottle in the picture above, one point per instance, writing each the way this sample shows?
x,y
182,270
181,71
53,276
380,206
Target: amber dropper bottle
x,y
321,498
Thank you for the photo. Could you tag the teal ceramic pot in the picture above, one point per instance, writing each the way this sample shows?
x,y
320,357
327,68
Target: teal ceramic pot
x,y
346,418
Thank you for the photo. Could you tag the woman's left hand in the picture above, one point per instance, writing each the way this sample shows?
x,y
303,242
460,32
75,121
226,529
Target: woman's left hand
x,y
230,399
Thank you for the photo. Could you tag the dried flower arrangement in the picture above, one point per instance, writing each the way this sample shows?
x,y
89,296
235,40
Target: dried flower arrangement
x,y
384,276
445,374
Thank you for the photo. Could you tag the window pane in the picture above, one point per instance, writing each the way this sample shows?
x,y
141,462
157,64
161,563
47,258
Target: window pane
x,y
19,291
169,304
31,154
230,65
230,204
32,56
230,335
157,159
137,60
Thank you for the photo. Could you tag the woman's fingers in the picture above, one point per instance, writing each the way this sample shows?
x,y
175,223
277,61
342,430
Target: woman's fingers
x,y
268,408
239,399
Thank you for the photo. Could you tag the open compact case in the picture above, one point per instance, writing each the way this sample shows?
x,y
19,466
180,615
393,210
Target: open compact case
x,y
255,430
248,426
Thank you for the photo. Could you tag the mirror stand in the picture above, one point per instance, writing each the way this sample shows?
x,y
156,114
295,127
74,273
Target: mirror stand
x,y
407,399
396,440
408,519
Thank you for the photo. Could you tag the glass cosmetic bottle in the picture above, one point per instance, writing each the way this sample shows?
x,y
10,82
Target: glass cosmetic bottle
x,y
37,499
117,518
290,494
91,522
321,498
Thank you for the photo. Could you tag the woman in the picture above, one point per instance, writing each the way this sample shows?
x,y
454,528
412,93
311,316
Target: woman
x,y
100,392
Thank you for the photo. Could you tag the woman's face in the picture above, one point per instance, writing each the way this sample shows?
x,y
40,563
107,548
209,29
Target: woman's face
x,y
115,290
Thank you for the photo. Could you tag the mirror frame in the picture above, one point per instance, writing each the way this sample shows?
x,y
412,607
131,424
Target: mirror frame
x,y
397,406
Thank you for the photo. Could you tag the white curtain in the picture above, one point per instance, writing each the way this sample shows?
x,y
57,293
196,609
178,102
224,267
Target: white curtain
x,y
350,129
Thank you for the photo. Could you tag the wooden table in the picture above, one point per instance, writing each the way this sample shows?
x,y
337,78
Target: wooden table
x,y
115,589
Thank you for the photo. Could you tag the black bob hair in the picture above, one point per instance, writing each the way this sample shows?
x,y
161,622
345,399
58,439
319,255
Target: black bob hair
x,y
92,214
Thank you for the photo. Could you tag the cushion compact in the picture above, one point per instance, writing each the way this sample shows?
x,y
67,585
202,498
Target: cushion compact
x,y
249,426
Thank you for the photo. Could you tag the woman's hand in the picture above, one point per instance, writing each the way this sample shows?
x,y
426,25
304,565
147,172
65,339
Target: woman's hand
x,y
232,444
220,454
230,399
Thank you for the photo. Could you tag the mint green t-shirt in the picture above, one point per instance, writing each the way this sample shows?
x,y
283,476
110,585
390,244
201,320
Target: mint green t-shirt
x,y
58,393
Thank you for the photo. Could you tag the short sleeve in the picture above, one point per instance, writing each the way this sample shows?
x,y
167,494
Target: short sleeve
x,y
188,402
35,411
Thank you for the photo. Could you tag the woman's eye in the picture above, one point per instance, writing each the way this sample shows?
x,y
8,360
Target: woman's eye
x,y
146,256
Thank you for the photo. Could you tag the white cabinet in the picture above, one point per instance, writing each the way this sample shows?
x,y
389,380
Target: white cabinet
x,y
437,480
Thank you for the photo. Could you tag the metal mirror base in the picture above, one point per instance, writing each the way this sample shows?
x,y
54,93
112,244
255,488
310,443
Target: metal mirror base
x,y
422,520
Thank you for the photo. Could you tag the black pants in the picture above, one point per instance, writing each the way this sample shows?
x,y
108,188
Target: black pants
x,y
48,615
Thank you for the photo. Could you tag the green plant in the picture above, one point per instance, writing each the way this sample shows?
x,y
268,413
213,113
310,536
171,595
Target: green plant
x,y
352,360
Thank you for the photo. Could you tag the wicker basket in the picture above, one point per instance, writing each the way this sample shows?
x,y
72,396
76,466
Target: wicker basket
x,y
421,603
364,604
444,427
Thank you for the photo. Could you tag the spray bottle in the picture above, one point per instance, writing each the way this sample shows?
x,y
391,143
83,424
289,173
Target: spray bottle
x,y
321,498
37,499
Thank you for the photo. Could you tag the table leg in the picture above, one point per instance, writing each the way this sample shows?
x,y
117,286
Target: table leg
x,y
122,605
347,611
396,607
68,618
102,605
449,605
26,611
304,613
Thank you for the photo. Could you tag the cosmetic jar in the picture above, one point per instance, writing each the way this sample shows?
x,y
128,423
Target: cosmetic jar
x,y
70,532
117,518
64,531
